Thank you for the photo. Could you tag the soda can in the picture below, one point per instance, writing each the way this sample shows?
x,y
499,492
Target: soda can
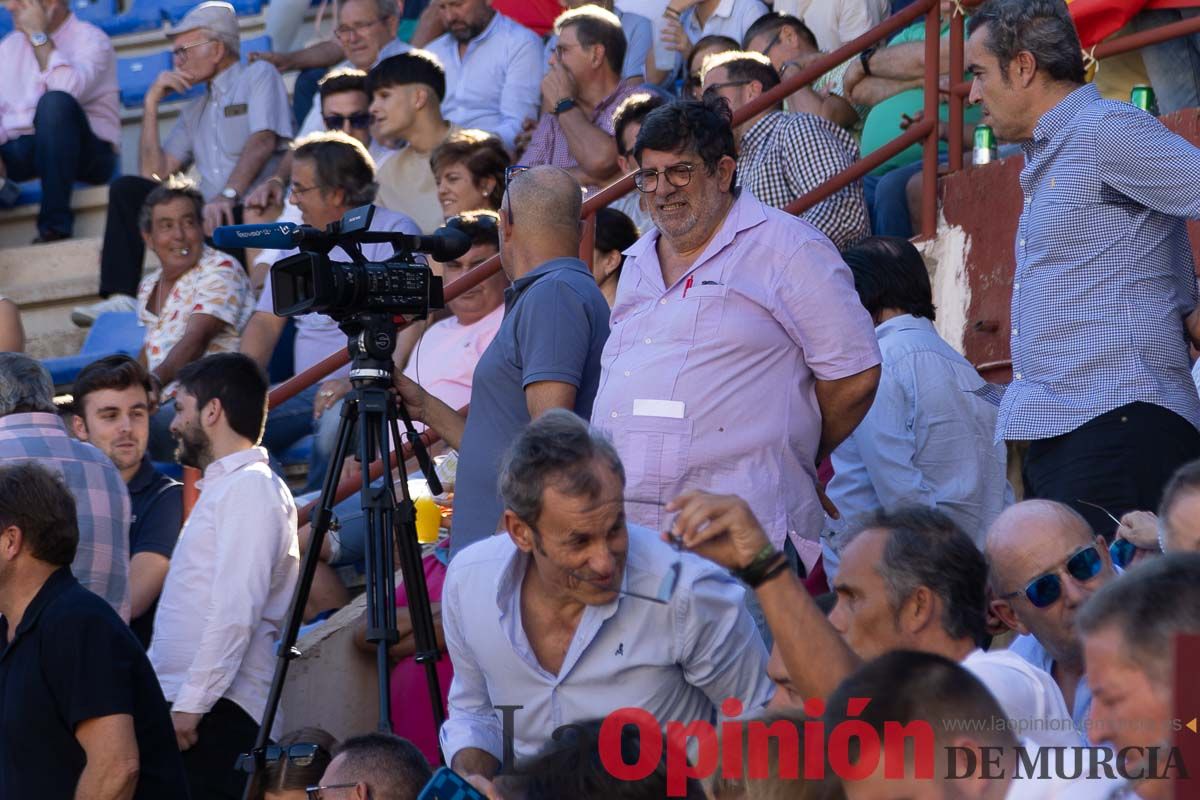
x,y
1142,97
985,145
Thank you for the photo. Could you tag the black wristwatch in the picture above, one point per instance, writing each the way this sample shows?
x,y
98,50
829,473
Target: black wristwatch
x,y
864,58
566,104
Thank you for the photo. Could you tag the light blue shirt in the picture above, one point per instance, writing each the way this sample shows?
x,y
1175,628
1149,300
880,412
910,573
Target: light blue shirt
x,y
495,86
678,661
927,440
638,39
1030,649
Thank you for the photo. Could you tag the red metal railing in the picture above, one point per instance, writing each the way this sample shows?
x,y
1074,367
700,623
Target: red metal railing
x,y
925,130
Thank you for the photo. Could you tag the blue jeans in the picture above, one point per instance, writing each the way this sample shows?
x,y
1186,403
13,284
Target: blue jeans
x,y
1173,65
61,150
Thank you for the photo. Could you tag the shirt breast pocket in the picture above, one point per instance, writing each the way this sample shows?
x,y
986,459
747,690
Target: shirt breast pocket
x,y
234,130
654,451
709,300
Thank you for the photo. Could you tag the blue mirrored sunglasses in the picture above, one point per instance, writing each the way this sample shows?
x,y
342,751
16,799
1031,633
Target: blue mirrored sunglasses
x,y
1045,590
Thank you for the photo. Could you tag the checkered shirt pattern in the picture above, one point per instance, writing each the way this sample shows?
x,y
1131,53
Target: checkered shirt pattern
x,y
548,144
1104,274
784,156
101,501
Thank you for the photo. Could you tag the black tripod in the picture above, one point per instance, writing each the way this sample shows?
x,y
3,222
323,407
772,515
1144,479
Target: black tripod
x,y
371,409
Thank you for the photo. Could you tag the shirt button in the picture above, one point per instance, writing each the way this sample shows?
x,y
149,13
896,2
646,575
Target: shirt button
x,y
1014,331
1022,243
1016,286
1017,376
627,373
648,340
662,302
613,415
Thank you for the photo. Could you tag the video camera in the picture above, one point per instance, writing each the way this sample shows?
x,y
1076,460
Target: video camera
x,y
311,282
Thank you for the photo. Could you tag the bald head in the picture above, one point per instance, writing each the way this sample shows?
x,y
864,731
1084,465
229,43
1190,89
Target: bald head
x,y
1031,522
545,197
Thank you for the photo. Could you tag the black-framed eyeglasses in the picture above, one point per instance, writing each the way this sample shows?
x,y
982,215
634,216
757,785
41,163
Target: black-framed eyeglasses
x,y
302,754
678,175
336,122
712,89
1044,590
317,792
1121,551
766,51
510,172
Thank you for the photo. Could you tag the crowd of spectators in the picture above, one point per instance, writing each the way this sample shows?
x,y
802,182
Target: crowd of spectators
x,y
733,470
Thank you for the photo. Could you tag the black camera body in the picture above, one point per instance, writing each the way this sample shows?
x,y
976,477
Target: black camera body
x,y
311,282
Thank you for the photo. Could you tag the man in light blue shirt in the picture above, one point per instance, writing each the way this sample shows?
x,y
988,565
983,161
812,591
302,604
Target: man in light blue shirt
x,y
573,615
927,440
493,68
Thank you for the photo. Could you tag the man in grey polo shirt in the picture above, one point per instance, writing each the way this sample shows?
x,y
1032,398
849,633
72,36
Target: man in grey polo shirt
x,y
545,355
234,133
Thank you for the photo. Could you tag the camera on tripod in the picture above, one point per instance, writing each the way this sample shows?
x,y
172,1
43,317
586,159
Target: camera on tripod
x,y
311,282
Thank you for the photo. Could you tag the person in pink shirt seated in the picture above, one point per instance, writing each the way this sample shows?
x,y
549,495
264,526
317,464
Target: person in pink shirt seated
x,y
59,119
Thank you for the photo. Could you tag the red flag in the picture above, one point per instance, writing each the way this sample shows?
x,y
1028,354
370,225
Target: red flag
x,y
1096,20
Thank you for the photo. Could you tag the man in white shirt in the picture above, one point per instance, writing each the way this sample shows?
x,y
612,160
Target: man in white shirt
x,y
909,580
835,22
568,616
493,68
231,577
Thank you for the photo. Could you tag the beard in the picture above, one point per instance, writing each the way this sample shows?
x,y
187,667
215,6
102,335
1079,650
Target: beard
x,y
466,31
193,449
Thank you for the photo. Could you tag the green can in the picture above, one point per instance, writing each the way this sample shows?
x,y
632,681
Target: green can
x,y
1142,97
985,145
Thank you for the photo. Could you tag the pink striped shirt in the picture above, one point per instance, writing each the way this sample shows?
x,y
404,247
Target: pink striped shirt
x,y
83,64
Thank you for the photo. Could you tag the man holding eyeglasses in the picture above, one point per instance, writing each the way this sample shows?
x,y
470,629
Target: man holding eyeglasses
x,y
740,354
1045,563
573,614
580,94
234,134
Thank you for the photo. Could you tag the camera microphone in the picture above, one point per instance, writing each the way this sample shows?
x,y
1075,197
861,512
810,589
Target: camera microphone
x,y
444,244
269,236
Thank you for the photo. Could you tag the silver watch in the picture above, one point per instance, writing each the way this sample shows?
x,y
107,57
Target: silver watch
x,y
38,39
229,193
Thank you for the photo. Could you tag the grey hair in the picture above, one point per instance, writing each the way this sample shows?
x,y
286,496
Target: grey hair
x,y
1041,27
384,8
233,44
341,162
173,188
25,386
926,548
557,449
1149,605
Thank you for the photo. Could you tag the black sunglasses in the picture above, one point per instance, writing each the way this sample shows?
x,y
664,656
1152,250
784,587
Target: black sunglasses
x,y
301,754
1044,590
511,172
336,122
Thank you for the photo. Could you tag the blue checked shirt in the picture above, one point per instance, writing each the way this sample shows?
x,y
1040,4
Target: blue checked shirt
x,y
1104,274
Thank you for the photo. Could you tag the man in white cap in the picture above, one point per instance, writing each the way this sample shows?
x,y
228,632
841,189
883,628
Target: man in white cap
x,y
234,134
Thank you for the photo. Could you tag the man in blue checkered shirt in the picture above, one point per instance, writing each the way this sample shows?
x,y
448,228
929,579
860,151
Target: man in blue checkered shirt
x,y
1104,276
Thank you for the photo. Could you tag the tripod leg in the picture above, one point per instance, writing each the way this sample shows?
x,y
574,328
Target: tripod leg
x,y
319,526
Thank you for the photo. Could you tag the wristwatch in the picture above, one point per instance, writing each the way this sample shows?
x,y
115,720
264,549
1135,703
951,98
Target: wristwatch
x,y
229,193
566,104
38,38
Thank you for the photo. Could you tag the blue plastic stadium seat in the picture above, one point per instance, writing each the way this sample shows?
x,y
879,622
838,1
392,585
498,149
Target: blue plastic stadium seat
x,y
259,44
6,23
176,9
112,332
136,74
172,469
142,15
94,11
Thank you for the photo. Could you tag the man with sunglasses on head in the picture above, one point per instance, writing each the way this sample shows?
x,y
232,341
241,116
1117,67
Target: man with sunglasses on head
x,y
1045,562
234,134
740,354
573,614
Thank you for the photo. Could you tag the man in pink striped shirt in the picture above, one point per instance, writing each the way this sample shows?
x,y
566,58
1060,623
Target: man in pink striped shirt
x,y
58,107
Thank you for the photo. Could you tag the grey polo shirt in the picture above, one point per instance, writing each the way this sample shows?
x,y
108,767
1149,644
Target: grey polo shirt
x,y
554,329
212,130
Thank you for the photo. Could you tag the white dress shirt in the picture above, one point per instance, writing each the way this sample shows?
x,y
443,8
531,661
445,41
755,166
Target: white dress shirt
x,y
835,22
226,596
1032,701
678,661
495,86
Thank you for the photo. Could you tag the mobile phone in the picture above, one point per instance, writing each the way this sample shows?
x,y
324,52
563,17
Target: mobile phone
x,y
446,784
